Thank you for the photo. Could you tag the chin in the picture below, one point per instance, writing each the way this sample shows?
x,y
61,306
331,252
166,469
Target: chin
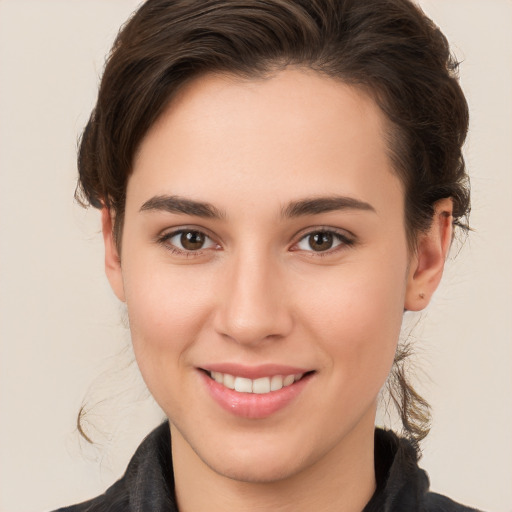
x,y
264,470
252,457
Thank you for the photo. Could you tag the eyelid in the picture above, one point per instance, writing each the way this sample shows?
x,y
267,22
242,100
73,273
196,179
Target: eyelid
x,y
346,237
173,230
344,233
167,234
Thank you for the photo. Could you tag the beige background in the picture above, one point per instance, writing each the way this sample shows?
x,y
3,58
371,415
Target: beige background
x,y
61,330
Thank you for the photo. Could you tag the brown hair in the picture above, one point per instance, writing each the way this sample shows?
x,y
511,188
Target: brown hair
x,y
387,47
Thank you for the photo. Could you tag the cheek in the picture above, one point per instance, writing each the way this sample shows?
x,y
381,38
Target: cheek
x,y
166,307
357,316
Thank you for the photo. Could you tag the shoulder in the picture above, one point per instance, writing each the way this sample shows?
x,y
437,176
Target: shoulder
x,y
147,484
402,486
115,499
437,503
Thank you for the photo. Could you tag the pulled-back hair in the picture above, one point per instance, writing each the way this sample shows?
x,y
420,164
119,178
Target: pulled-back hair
x,y
388,48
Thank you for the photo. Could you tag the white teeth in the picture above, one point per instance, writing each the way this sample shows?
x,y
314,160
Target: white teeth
x,y
288,380
259,386
276,383
229,381
243,385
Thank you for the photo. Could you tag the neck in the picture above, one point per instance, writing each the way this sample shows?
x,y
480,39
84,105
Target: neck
x,y
342,480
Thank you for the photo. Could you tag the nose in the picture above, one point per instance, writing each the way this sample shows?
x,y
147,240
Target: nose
x,y
252,303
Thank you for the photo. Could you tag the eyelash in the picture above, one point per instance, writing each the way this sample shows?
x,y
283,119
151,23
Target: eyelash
x,y
343,239
164,239
344,242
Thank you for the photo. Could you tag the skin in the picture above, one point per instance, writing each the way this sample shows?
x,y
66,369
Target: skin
x,y
258,293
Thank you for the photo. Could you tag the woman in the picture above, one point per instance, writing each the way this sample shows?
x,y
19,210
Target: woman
x,y
279,182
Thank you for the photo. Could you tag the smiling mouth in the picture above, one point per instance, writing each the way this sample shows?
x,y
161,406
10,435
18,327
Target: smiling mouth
x,y
259,386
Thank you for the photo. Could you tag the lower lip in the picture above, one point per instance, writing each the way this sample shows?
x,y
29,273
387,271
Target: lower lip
x,y
253,405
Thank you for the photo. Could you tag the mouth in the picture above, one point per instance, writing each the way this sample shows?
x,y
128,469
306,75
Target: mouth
x,y
254,392
260,386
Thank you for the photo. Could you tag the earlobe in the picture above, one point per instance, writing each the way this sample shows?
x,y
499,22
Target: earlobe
x,y
427,264
112,259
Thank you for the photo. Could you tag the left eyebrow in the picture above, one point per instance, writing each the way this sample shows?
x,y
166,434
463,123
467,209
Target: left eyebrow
x,y
317,205
177,204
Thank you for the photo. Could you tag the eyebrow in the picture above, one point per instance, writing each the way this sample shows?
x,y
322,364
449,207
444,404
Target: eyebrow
x,y
299,208
317,205
177,204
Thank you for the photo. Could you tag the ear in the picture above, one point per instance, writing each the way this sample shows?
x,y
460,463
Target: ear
x,y
112,259
427,264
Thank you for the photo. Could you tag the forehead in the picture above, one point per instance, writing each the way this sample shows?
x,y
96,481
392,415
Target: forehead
x,y
293,133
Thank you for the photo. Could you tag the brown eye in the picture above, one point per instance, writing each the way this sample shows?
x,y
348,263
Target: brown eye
x,y
321,241
192,240
188,241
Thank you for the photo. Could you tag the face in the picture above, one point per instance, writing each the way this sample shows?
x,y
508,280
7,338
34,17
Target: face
x,y
264,250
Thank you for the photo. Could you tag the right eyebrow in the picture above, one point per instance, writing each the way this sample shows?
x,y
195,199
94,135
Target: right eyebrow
x,y
318,205
177,204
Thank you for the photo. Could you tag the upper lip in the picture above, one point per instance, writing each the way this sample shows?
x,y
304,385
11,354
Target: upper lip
x,y
254,372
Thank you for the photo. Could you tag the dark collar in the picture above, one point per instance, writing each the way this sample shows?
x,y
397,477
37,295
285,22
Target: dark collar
x,y
401,484
148,484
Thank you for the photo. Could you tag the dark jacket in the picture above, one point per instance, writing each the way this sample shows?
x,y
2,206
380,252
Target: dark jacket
x,y
148,484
